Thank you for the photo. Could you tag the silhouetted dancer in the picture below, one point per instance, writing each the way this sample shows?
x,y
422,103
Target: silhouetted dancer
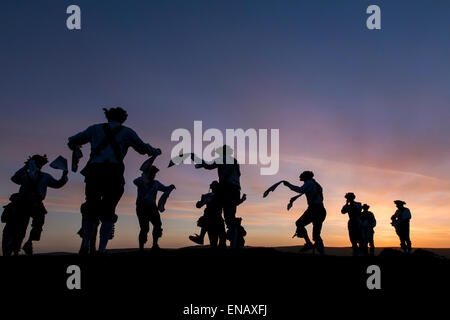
x,y
353,209
229,186
368,223
104,172
29,202
212,222
16,223
315,213
146,209
400,221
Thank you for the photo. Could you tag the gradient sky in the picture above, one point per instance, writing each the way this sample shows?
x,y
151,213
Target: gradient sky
x,y
367,111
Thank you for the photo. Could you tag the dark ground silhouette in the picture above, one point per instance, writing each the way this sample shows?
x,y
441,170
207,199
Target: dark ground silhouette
x,y
289,283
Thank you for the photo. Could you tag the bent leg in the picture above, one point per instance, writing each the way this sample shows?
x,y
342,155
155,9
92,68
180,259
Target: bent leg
x,y
35,232
302,222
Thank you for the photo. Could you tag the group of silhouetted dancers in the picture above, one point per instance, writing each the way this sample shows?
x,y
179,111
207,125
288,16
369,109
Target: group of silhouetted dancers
x,y
362,222
104,187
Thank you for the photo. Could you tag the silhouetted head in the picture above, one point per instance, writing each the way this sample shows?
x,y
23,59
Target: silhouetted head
x,y
116,114
399,203
150,173
350,196
225,150
39,160
238,221
365,207
306,175
214,186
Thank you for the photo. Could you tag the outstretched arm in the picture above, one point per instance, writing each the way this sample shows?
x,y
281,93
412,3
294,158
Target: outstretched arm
x,y
207,166
272,188
294,188
79,139
56,184
140,147
183,156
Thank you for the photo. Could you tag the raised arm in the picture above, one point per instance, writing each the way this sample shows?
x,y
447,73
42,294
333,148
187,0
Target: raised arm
x,y
56,184
19,176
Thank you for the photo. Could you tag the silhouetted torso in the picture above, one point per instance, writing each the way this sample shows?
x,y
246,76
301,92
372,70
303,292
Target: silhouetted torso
x,y
353,209
125,138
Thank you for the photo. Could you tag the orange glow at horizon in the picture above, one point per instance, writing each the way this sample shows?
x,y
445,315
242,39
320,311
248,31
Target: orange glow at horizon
x,y
267,221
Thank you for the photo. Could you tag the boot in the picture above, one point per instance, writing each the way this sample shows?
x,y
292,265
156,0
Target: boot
x,y
320,248
307,246
196,239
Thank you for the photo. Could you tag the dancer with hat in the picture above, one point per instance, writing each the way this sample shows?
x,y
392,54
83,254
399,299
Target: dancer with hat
x,y
401,221
146,208
353,208
315,213
104,173
28,204
368,223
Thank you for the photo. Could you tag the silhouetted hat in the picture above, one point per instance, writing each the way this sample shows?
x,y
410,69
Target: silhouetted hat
x,y
306,175
39,160
365,206
150,170
400,202
116,114
147,164
228,150
350,195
